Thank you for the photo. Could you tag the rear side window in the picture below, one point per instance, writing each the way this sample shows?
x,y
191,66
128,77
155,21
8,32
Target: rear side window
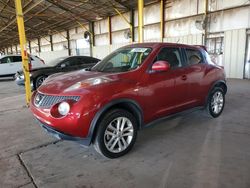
x,y
171,55
71,61
17,59
91,60
80,61
194,56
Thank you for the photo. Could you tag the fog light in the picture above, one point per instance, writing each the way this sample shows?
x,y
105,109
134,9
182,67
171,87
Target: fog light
x,y
63,108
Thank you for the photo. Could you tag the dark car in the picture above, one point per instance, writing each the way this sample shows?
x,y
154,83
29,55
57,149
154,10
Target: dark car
x,y
127,90
62,64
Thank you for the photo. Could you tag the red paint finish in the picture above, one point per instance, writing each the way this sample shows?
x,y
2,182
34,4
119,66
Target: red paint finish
x,y
161,66
157,93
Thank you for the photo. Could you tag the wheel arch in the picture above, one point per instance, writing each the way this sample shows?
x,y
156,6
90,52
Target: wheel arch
x,y
35,77
218,83
127,104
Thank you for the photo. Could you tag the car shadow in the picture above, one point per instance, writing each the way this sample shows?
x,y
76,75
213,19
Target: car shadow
x,y
6,79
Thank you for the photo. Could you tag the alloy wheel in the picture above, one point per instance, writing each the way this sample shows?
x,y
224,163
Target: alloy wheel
x,y
118,134
40,81
217,102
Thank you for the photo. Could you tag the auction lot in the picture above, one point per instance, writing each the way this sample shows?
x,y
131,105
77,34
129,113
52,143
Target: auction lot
x,y
191,150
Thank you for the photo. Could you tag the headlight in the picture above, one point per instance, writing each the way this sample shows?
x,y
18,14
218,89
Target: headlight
x,y
63,108
22,76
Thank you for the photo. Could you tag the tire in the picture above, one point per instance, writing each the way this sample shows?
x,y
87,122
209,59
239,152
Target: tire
x,y
216,102
114,139
38,81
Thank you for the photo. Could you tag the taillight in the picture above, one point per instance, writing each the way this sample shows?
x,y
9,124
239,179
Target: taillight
x,y
30,66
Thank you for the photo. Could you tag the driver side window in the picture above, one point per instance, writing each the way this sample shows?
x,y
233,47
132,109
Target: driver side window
x,y
120,60
171,55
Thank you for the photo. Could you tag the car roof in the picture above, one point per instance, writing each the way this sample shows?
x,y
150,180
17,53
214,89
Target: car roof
x,y
80,56
10,55
160,44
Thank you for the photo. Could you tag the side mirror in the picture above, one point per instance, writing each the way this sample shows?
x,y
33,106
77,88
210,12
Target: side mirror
x,y
160,66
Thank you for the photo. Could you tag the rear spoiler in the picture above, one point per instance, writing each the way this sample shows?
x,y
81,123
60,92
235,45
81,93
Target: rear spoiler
x,y
201,46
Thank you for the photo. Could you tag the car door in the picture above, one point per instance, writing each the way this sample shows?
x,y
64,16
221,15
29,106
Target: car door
x,y
6,66
16,64
196,68
166,90
3,66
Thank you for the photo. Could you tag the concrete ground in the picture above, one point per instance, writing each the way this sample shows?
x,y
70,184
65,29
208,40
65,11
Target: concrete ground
x,y
191,151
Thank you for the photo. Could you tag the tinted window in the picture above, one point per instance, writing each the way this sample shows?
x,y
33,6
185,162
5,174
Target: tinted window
x,y
80,61
73,62
6,60
66,63
17,59
171,55
91,60
194,56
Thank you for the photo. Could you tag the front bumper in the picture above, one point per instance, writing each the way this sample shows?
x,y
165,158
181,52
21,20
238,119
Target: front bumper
x,y
63,136
21,81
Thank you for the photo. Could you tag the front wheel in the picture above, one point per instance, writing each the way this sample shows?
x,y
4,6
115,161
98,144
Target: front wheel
x,y
39,81
116,133
216,102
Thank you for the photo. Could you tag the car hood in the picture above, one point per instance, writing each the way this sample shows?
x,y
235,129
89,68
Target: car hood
x,y
70,82
42,68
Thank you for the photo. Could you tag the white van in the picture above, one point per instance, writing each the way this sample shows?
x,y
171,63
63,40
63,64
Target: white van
x,y
10,64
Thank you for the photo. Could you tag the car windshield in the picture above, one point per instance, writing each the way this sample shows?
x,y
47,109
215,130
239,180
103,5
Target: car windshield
x,y
123,60
56,61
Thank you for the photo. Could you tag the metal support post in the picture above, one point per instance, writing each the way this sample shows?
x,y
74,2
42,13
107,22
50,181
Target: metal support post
x,y
205,21
22,38
140,20
162,19
92,37
51,43
68,41
109,30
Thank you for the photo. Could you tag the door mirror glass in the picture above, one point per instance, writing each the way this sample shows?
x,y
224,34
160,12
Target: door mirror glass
x,y
160,66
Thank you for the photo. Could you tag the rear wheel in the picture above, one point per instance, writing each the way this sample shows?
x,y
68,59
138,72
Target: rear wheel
x,y
216,102
39,80
116,133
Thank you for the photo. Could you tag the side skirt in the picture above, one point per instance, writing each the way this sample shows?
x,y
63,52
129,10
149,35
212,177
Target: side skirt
x,y
172,116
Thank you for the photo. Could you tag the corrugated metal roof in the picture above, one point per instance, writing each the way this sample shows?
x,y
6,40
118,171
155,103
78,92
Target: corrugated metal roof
x,y
43,17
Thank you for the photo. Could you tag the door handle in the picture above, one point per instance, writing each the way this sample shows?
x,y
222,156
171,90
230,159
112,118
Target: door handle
x,y
184,77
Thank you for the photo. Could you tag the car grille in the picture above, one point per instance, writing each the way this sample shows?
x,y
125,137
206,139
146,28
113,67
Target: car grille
x,y
46,101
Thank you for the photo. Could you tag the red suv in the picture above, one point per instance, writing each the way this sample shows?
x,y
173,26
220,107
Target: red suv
x,y
130,88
